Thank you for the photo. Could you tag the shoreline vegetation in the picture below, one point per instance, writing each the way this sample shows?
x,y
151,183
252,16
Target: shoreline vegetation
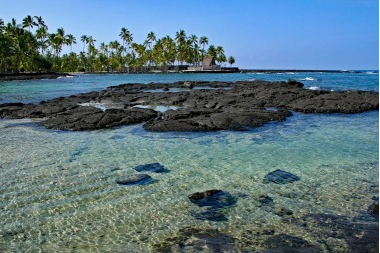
x,y
29,47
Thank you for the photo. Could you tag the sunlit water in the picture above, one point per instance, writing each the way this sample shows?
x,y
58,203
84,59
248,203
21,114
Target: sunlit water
x,y
58,190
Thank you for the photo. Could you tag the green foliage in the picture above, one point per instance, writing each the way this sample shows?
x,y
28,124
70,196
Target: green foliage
x,y
30,47
41,63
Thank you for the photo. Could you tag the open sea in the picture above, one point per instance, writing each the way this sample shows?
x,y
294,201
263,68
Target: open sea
x,y
58,191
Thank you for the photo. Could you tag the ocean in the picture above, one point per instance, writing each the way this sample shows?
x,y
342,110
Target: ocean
x,y
58,191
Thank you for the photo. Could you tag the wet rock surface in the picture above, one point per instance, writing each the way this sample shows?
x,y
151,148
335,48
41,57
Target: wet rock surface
x,y
138,179
219,106
280,177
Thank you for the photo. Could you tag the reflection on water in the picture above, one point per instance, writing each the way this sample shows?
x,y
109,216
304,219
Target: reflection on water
x,y
58,191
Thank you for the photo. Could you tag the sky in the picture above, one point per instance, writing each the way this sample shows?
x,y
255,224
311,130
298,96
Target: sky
x,y
260,34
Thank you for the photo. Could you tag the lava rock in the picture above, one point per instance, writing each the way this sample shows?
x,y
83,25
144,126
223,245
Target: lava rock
x,y
283,211
288,243
211,214
374,209
213,198
280,177
265,200
295,83
240,107
151,167
197,240
188,84
138,179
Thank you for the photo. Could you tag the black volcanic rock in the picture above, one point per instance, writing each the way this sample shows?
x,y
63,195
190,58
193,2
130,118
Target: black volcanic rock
x,y
280,177
138,179
227,106
151,167
197,240
31,76
211,214
288,243
213,198
374,209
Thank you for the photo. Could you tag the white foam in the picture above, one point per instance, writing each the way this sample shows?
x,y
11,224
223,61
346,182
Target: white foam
x,y
314,88
158,108
307,79
96,105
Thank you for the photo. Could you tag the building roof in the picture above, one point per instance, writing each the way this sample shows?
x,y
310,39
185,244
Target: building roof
x,y
208,61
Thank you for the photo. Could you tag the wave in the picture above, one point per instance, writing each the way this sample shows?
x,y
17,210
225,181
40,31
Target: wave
x,y
307,79
371,73
314,88
64,77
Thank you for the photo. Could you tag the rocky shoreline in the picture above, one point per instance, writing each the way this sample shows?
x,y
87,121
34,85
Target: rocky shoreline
x,y
31,76
190,106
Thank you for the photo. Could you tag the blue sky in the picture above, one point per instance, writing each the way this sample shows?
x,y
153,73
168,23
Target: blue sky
x,y
284,34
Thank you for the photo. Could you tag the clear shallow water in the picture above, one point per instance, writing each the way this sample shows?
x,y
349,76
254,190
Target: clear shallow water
x,y
58,190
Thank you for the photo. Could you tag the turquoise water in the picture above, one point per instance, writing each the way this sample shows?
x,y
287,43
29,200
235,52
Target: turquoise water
x,y
58,190
35,91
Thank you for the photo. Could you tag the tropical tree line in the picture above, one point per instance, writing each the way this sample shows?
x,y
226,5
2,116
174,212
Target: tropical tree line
x,y
30,46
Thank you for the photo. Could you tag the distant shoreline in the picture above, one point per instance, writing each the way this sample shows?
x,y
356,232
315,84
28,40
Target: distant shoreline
x,y
31,76
55,75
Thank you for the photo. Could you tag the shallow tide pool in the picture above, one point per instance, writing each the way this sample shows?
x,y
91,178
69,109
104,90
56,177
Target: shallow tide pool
x,y
58,191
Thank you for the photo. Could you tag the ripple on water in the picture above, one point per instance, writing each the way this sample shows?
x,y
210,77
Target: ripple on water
x,y
58,190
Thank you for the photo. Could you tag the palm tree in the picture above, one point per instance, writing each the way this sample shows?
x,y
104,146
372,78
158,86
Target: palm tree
x,y
220,57
126,36
193,41
91,50
84,39
61,39
180,38
211,51
42,34
231,60
203,41
40,22
70,40
28,21
149,40
2,26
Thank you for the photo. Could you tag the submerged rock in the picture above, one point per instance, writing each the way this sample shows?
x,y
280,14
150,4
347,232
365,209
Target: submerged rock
x,y
138,179
358,235
265,200
280,177
197,240
288,243
211,214
213,198
151,167
374,209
